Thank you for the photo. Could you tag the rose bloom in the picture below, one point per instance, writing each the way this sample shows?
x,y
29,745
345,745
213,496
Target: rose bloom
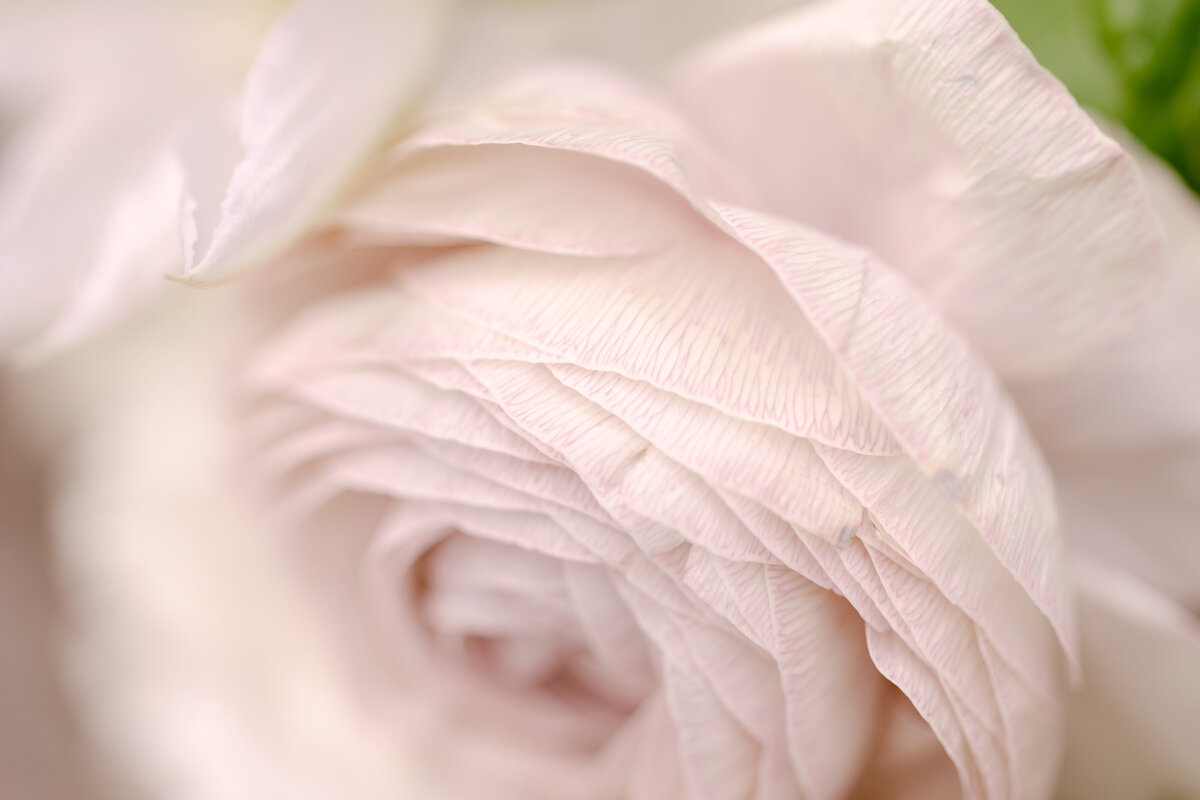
x,y
811,421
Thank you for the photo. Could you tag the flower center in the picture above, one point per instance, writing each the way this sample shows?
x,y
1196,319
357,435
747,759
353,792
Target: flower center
x,y
534,632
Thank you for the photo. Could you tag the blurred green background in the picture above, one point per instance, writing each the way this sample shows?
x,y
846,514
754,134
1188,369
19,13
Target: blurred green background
x,y
1135,61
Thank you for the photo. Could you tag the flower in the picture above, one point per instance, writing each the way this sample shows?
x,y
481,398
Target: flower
x,y
640,445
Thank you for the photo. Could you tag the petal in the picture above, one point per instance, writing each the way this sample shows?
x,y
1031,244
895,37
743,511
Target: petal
x,y
624,369
587,110
518,197
182,609
1122,433
1134,725
495,36
940,402
910,763
665,321
931,136
310,123
94,95
138,245
39,734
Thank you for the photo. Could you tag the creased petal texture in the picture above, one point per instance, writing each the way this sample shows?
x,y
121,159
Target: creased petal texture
x,y
928,133
200,667
641,462
1134,726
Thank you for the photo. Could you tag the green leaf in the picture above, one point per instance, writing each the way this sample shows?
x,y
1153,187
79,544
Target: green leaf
x,y
1136,61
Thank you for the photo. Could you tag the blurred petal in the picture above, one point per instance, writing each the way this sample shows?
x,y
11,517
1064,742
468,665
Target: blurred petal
x,y
331,82
195,664
1134,725
986,508
494,36
931,136
140,243
910,763
1122,433
94,95
41,753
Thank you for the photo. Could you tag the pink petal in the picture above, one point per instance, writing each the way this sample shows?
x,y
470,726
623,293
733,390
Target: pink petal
x,y
1134,725
519,197
88,199
566,107
492,38
634,378
665,321
1122,433
939,400
910,763
931,136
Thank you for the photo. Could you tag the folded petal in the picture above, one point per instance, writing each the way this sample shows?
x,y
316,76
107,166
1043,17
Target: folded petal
x,y
942,404
929,134
520,197
942,568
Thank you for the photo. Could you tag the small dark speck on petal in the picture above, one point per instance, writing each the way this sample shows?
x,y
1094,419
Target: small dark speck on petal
x,y
949,483
845,536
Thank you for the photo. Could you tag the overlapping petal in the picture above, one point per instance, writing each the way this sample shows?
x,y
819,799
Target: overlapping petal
x,y
664,452
1134,725
722,412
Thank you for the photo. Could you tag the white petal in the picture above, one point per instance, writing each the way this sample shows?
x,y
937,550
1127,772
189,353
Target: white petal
x,y
330,84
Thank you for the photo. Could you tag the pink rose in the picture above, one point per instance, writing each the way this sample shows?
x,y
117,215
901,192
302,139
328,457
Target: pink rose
x,y
655,443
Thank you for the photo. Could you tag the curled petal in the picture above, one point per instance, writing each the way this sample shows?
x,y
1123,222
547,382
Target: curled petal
x,y
310,122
